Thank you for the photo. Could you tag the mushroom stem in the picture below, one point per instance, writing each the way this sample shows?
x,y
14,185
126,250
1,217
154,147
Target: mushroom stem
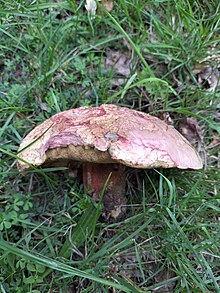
x,y
114,200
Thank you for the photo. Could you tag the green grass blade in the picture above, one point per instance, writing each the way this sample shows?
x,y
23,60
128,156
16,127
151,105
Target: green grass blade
x,y
59,266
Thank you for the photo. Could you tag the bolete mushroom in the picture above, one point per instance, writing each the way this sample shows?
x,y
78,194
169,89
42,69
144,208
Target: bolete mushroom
x,y
106,139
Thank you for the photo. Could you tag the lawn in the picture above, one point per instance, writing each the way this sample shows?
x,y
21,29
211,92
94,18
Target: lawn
x,y
158,57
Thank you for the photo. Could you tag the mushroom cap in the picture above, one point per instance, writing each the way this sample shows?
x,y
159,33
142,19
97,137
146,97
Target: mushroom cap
x,y
107,134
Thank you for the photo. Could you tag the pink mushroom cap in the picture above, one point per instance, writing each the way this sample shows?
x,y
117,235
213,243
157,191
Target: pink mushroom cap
x,y
107,134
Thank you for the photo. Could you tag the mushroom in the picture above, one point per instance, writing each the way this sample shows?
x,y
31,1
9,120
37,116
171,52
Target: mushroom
x,y
106,139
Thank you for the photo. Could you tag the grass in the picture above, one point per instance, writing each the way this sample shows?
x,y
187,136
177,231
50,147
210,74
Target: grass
x,y
52,59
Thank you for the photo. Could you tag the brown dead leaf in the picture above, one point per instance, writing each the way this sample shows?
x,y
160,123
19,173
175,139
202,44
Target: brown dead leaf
x,y
215,142
43,106
121,62
118,81
190,128
126,266
165,116
208,76
164,277
108,4
20,116
127,44
193,132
